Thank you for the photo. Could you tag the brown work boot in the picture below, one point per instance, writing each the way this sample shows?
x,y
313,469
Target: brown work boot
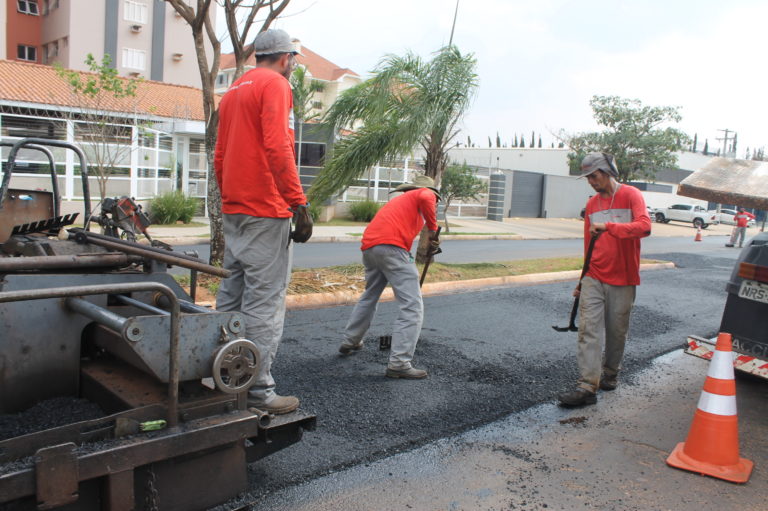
x,y
410,373
608,383
577,397
278,406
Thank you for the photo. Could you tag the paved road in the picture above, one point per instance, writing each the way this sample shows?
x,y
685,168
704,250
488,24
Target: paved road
x,y
490,354
317,255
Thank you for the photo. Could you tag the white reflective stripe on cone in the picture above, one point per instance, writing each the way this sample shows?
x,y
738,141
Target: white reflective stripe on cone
x,y
717,404
721,366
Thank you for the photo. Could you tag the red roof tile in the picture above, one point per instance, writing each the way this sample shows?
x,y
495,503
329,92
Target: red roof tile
x,y
319,67
35,83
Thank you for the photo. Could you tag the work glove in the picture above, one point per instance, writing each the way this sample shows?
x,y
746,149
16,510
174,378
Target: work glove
x,y
303,230
434,244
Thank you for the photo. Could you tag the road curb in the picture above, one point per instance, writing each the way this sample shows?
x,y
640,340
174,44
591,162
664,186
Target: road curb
x,y
191,240
320,300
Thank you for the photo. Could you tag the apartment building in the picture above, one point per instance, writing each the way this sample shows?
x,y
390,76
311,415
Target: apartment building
x,y
144,37
335,79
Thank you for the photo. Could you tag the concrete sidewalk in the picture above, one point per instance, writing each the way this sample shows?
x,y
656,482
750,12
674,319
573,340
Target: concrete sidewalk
x,y
466,228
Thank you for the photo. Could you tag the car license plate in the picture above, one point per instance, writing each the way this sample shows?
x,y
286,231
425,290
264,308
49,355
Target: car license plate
x,y
753,290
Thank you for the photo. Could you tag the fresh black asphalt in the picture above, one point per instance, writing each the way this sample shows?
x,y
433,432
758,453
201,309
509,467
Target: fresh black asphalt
x,y
489,354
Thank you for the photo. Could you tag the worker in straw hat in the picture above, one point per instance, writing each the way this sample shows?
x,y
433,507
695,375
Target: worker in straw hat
x,y
387,259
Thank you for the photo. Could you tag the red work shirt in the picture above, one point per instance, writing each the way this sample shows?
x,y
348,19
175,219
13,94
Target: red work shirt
x,y
255,160
616,256
743,218
401,219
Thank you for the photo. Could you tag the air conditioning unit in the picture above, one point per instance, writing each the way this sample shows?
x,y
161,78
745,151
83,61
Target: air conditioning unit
x,y
135,28
178,56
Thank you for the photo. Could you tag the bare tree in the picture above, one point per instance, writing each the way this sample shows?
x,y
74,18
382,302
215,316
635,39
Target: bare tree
x,y
203,32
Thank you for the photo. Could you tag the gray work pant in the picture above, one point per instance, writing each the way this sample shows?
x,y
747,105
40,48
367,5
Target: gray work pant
x,y
604,312
390,264
740,233
259,255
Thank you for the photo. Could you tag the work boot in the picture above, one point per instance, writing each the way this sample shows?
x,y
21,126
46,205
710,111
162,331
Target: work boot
x,y
608,383
409,373
277,406
577,397
729,245
348,349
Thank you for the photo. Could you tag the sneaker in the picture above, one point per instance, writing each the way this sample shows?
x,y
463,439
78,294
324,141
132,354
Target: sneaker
x,y
608,383
408,374
278,406
577,397
347,349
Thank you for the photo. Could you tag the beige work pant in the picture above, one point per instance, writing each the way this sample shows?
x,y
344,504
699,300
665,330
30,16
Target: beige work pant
x,y
604,312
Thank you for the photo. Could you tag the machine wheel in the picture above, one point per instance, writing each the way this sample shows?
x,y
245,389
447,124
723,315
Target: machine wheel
x,y
660,218
235,366
699,223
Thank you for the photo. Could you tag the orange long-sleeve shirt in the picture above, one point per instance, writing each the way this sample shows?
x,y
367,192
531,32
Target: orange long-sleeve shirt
x,y
255,161
616,256
401,219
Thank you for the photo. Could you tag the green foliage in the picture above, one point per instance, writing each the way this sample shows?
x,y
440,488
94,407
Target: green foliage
x,y
303,89
104,78
171,207
460,183
363,211
633,134
314,211
408,102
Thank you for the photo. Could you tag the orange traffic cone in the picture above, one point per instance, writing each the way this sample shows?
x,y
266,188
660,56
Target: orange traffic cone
x,y
698,235
712,446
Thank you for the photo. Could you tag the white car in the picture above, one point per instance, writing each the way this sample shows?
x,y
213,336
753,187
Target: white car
x,y
726,217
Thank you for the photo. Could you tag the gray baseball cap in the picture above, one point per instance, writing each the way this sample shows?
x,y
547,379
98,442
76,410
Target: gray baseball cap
x,y
274,41
599,161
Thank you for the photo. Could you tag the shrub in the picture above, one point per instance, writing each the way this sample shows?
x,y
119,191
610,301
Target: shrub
x,y
363,211
171,207
314,211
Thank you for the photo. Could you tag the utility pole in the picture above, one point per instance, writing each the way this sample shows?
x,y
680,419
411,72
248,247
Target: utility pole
x,y
455,14
725,140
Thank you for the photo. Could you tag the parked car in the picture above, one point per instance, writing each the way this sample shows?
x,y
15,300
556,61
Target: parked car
x,y
696,215
726,217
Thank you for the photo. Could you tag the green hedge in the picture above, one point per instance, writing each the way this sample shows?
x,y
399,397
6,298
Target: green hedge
x,y
363,211
171,207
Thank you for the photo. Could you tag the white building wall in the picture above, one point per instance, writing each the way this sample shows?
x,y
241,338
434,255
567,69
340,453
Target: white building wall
x,y
543,160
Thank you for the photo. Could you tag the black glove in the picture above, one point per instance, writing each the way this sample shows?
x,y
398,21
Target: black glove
x,y
303,230
434,244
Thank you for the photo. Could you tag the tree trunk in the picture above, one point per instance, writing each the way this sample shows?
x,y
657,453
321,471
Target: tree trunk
x,y
445,215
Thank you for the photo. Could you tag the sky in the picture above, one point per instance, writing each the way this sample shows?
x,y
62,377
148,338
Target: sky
x,y
540,61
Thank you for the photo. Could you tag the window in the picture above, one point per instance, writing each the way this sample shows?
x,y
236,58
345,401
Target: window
x,y
134,59
221,79
317,104
312,154
135,12
27,7
28,53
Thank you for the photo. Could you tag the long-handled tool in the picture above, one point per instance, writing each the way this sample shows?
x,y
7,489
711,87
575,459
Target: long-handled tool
x,y
572,325
385,341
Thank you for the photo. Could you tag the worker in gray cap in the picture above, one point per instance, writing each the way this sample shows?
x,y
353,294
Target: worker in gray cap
x,y
255,164
617,218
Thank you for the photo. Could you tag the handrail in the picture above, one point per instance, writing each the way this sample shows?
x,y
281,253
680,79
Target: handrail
x,y
24,142
54,176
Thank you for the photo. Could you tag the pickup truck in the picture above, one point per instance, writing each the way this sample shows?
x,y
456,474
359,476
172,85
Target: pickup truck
x,y
696,215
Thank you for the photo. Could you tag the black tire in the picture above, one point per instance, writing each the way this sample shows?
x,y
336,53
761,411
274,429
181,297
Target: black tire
x,y
660,218
699,223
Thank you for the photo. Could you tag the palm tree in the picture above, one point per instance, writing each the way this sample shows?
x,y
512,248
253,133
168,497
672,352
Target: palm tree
x,y
408,102
304,89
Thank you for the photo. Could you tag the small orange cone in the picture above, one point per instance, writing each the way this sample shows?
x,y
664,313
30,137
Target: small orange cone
x,y
698,235
712,446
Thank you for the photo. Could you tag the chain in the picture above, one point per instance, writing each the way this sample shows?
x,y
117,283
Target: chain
x,y
150,501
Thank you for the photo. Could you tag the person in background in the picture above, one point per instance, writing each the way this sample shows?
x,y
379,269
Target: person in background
x,y
742,219
387,259
618,218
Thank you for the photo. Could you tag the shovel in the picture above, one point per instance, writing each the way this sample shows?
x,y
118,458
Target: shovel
x,y
385,341
572,325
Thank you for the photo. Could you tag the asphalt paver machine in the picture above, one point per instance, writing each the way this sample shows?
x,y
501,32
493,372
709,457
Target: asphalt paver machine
x,y
97,321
